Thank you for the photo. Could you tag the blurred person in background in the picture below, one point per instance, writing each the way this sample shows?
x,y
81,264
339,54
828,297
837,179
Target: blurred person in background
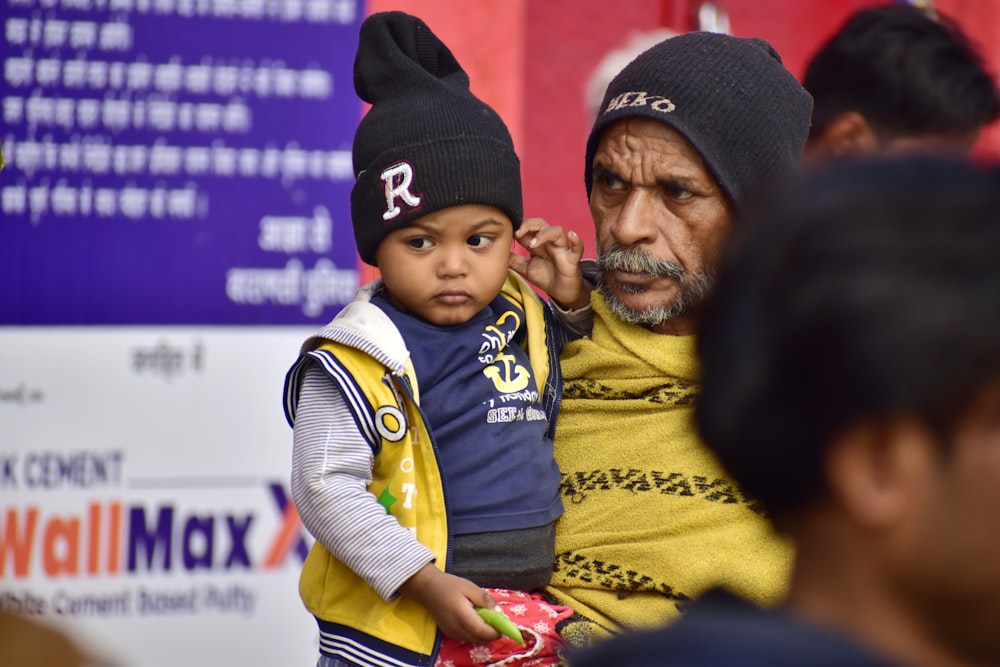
x,y
27,642
898,78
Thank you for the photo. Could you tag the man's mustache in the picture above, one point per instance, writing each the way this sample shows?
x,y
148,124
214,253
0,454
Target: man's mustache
x,y
634,260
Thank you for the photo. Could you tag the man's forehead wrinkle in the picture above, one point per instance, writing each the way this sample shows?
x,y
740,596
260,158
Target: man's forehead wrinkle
x,y
627,154
656,158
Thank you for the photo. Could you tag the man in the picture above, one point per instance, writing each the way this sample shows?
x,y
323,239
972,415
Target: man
x,y
898,78
689,133
851,383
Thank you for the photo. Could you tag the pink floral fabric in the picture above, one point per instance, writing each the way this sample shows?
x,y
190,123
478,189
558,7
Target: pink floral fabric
x,y
537,621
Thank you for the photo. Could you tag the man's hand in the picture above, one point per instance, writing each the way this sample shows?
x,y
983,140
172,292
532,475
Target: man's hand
x,y
451,601
554,262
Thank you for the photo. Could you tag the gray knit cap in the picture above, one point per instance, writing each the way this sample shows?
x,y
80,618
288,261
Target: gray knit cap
x,y
731,97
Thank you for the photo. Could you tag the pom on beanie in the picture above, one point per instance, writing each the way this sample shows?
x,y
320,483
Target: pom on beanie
x,y
427,142
730,97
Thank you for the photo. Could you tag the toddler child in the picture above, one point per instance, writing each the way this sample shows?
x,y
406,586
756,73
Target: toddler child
x,y
423,413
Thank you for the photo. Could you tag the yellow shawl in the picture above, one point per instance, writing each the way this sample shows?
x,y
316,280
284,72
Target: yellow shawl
x,y
651,520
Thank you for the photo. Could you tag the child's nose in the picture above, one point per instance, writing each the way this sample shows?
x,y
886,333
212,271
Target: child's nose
x,y
454,262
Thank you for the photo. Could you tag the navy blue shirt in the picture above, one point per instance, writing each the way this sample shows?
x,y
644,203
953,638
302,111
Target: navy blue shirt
x,y
721,630
483,408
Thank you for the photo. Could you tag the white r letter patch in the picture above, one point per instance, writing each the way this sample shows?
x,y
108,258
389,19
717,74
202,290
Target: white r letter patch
x,y
397,179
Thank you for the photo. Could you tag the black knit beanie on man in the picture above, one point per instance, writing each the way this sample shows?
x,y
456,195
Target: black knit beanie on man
x,y
427,142
730,97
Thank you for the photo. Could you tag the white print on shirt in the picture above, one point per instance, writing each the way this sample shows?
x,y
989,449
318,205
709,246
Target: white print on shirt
x,y
496,338
397,180
514,414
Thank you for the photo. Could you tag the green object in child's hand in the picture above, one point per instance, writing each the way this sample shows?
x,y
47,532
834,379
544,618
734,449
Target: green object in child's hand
x,y
499,621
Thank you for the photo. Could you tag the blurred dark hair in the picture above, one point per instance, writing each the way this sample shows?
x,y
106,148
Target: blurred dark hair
x,y
906,71
870,290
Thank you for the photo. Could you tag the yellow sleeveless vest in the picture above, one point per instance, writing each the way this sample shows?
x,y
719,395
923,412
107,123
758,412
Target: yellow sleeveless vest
x,y
406,478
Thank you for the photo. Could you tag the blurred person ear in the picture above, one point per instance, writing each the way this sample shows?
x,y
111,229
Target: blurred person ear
x,y
847,134
877,472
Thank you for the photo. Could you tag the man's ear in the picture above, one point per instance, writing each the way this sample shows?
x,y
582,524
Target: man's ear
x,y
875,471
847,134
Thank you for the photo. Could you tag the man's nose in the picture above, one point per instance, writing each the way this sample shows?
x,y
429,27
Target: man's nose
x,y
638,217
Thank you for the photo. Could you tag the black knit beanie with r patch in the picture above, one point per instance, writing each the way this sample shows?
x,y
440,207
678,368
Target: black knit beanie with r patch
x,y
427,142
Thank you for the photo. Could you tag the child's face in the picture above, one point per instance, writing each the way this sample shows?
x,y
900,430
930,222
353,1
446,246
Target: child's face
x,y
449,264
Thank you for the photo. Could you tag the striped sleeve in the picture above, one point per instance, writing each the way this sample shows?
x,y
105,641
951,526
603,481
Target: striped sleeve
x,y
331,469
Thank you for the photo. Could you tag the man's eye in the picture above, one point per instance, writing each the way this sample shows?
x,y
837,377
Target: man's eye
x,y
677,192
419,243
609,181
480,241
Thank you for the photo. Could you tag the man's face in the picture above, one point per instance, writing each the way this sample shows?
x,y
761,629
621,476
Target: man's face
x,y
661,220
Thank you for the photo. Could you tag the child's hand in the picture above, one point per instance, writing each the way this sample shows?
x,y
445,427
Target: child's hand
x,y
554,264
451,601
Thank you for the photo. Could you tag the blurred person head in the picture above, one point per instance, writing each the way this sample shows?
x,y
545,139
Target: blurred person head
x,y
898,78
26,642
851,383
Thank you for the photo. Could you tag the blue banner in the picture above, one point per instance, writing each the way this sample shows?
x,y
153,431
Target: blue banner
x,y
176,161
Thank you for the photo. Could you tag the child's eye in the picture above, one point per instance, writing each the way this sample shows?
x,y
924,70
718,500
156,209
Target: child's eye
x,y
419,243
480,240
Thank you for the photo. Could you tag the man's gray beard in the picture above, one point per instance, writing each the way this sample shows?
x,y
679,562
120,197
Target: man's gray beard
x,y
692,289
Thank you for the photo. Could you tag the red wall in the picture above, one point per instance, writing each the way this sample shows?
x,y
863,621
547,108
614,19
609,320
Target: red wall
x,y
565,41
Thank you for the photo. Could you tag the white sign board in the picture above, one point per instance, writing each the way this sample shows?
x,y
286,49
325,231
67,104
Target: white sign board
x,y
144,479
